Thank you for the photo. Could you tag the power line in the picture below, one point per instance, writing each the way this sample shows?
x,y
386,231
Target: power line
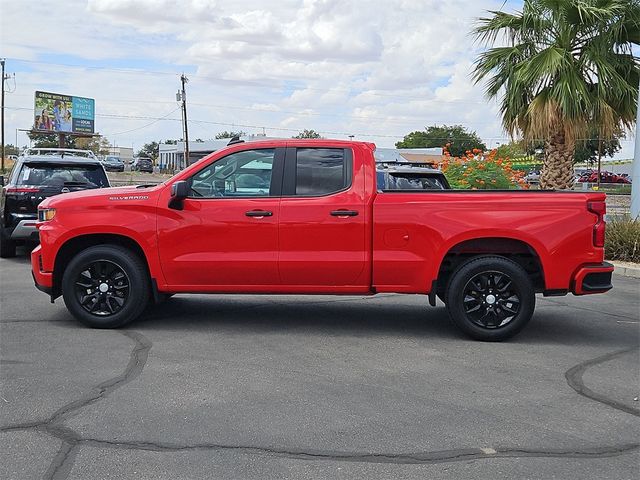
x,y
235,124
304,114
144,126
274,83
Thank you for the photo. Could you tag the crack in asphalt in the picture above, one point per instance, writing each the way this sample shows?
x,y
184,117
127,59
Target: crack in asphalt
x,y
62,463
574,379
437,456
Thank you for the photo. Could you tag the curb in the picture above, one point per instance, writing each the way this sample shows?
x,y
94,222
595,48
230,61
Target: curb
x,y
626,270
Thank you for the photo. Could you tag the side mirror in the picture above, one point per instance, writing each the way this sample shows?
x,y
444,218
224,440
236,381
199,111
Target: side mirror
x,y
179,191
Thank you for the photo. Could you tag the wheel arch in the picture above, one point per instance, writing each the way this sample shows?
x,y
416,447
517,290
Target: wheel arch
x,y
515,249
79,243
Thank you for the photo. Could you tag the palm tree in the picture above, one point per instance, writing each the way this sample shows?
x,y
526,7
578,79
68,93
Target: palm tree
x,y
566,66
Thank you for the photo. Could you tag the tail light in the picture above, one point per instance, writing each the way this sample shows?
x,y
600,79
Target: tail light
x,y
599,208
22,189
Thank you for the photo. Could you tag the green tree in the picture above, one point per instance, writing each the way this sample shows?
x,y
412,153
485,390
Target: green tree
x,y
458,139
50,140
11,150
512,150
587,150
98,145
567,65
231,134
149,150
308,134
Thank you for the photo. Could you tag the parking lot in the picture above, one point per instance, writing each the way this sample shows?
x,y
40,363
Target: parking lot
x,y
256,387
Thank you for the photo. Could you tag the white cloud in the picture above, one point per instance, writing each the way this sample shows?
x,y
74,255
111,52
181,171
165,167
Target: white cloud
x,y
382,68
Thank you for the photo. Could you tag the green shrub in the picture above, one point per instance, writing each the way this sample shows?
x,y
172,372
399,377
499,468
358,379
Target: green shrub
x,y
622,240
480,170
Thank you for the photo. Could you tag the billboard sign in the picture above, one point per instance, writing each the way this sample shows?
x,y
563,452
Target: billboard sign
x,y
63,113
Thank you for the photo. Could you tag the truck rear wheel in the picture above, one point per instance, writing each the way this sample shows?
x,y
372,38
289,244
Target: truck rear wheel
x,y
105,286
490,298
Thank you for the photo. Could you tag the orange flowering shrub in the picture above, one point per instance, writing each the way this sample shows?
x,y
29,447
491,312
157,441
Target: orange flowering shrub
x,y
479,170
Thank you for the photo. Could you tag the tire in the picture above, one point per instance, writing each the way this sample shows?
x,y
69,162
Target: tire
x,y
7,247
490,298
105,286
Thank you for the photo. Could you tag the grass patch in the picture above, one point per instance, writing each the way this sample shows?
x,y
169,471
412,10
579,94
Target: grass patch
x,y
622,240
617,190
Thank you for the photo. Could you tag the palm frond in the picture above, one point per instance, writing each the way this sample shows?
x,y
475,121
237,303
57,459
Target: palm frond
x,y
567,64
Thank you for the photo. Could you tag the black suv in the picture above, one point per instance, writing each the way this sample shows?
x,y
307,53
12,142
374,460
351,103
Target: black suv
x,y
36,175
144,165
113,164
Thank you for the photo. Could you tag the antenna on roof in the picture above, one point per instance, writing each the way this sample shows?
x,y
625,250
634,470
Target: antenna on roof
x,y
235,140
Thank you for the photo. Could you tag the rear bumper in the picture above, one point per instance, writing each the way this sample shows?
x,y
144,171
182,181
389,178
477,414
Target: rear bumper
x,y
43,280
591,279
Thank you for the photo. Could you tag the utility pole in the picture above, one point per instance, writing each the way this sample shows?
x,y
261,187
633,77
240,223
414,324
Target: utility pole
x,y
183,97
599,159
635,172
2,113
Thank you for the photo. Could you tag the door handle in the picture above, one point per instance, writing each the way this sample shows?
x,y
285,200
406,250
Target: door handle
x,y
344,213
258,213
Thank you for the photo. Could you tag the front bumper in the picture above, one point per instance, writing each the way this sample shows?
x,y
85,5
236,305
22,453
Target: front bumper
x,y
591,279
43,280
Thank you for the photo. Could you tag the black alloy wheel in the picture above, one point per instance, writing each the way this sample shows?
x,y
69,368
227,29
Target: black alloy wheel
x,y
106,286
490,298
102,288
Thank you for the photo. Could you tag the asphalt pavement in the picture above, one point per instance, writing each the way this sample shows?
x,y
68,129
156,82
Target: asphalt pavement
x,y
262,387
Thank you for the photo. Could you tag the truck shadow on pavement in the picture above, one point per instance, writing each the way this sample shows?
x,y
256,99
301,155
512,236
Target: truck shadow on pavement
x,y
383,315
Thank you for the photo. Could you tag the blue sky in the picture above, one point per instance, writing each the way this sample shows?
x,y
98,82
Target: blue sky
x,y
373,69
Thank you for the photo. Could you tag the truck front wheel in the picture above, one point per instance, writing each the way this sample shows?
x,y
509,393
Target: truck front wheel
x,y
490,298
105,286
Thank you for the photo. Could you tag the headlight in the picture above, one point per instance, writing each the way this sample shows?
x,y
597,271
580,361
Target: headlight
x,y
46,214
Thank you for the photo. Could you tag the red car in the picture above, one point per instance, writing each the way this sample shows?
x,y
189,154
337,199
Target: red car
x,y
307,217
605,177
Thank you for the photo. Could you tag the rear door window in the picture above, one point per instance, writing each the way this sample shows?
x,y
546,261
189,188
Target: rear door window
x,y
321,171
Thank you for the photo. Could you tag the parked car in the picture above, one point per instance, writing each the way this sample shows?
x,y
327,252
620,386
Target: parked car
x,y
113,164
533,177
37,175
142,164
319,225
605,177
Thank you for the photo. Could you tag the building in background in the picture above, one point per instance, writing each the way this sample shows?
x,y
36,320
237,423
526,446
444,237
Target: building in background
x,y
171,156
431,156
124,153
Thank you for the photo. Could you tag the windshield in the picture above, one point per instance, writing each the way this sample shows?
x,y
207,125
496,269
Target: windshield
x,y
59,175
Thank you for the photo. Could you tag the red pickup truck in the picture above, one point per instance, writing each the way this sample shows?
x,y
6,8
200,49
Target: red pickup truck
x,y
310,217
